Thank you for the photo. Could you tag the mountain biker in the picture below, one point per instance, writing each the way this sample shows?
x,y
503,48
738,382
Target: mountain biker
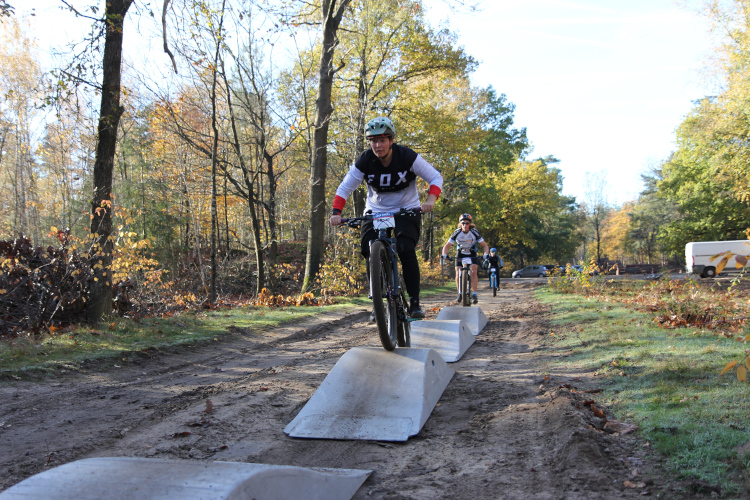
x,y
494,260
390,171
466,238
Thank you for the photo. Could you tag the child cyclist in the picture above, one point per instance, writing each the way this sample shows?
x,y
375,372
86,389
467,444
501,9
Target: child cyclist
x,y
494,260
466,238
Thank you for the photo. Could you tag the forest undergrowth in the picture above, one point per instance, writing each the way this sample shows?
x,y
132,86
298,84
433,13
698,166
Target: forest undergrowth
x,y
43,290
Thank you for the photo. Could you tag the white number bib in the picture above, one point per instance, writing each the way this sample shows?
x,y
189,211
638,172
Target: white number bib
x,y
493,269
383,220
466,260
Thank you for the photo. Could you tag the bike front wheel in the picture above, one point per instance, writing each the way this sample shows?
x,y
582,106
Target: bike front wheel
x,y
383,295
493,280
465,288
403,330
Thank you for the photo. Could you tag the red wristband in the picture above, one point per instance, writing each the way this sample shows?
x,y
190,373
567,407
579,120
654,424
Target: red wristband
x,y
339,203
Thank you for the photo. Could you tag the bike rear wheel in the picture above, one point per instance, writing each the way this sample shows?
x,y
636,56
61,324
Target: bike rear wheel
x,y
465,288
383,295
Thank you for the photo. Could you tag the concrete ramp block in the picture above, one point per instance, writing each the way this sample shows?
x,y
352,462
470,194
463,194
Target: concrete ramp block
x,y
374,394
450,338
122,478
472,316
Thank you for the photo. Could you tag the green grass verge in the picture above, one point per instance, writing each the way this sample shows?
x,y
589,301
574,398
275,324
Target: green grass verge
x,y
122,339
436,290
665,381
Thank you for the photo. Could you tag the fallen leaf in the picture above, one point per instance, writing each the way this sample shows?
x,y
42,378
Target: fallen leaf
x,y
200,423
630,484
209,406
180,434
617,427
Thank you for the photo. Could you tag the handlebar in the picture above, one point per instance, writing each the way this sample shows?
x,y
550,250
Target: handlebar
x,y
352,221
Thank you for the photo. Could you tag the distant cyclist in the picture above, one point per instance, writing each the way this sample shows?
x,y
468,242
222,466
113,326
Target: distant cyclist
x,y
494,260
390,171
466,237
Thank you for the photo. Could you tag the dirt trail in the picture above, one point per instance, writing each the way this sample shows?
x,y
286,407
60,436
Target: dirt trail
x,y
501,429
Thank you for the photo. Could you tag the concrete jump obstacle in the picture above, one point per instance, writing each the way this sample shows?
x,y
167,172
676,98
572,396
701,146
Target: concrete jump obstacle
x,y
374,394
122,478
472,316
450,338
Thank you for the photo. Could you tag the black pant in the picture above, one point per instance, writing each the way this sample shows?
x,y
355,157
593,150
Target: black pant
x,y
408,228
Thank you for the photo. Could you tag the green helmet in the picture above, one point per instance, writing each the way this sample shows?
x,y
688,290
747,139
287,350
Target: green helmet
x,y
380,126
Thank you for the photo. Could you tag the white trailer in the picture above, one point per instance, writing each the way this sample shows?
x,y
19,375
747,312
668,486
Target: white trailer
x,y
703,257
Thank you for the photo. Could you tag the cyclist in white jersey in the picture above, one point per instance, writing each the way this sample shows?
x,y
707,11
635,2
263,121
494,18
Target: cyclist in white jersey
x,y
466,237
390,172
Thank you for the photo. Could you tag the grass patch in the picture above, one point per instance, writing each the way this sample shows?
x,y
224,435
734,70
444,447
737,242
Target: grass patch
x,y
665,381
437,290
122,340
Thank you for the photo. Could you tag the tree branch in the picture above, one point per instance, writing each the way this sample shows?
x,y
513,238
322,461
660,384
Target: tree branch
x,y
164,34
73,9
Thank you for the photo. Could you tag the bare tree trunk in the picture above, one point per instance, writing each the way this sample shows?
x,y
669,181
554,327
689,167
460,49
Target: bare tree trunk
x,y
100,301
271,208
249,183
359,194
226,217
332,16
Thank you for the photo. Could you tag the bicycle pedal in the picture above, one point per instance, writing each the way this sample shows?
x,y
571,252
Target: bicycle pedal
x,y
414,319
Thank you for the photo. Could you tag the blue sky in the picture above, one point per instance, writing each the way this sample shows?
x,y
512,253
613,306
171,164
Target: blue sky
x,y
600,85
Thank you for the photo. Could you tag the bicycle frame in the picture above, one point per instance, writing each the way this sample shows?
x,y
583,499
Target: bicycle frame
x,y
396,332
493,281
466,263
384,235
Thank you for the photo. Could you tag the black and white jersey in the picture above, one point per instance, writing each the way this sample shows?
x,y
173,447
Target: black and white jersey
x,y
466,241
393,187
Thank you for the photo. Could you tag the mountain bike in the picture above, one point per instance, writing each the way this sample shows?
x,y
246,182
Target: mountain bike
x,y
493,280
464,280
387,289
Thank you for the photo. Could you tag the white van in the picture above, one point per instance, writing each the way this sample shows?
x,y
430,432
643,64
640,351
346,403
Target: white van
x,y
698,256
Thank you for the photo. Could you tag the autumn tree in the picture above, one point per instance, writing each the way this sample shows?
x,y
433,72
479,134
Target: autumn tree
x,y
332,12
597,209
20,79
704,198
649,218
109,117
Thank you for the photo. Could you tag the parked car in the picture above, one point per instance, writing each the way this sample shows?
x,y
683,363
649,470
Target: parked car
x,y
537,271
554,269
579,268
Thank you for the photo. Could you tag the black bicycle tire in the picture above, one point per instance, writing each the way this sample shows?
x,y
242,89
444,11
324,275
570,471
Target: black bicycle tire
x,y
403,330
380,274
465,288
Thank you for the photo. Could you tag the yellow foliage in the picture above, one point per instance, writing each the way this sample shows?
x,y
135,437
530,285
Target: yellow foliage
x,y
267,299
